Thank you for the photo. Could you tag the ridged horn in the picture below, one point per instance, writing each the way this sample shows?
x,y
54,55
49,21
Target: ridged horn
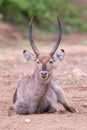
x,y
31,39
58,38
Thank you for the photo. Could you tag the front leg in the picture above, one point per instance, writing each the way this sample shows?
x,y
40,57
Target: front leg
x,y
61,97
50,109
42,107
46,105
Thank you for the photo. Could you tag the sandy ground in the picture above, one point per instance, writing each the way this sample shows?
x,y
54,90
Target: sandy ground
x,y
70,74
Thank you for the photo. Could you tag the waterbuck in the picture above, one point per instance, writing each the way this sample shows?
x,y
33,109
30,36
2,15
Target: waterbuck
x,y
39,93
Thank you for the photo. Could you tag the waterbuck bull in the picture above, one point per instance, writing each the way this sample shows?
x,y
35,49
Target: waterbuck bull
x,y
39,93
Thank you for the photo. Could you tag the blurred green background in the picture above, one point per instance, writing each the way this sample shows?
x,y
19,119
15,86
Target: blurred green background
x,y
45,13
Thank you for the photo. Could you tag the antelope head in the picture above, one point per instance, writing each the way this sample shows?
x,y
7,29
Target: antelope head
x,y
44,61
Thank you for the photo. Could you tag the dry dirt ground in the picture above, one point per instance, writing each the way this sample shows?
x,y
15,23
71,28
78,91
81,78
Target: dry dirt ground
x,y
70,74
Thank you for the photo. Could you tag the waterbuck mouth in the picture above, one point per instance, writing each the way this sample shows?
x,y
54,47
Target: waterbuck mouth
x,y
44,77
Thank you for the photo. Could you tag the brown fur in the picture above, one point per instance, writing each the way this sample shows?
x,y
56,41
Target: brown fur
x,y
44,58
37,95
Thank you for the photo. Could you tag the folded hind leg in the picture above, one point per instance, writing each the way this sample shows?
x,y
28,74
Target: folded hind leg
x,y
21,108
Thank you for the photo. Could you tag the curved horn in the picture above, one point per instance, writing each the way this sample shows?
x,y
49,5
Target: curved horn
x,y
31,39
58,39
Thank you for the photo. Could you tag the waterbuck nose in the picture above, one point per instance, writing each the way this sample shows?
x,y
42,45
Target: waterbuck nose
x,y
44,73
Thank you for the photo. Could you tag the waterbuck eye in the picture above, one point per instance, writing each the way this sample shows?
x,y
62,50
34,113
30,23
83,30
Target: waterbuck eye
x,y
38,62
50,61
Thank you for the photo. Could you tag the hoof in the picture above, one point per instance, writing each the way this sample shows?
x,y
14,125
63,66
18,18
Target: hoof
x,y
72,110
52,110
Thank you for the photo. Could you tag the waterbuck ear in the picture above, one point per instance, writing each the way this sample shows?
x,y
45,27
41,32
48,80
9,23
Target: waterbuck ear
x,y
59,55
29,56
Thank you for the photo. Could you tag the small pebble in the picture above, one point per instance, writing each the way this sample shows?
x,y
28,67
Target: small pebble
x,y
27,120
